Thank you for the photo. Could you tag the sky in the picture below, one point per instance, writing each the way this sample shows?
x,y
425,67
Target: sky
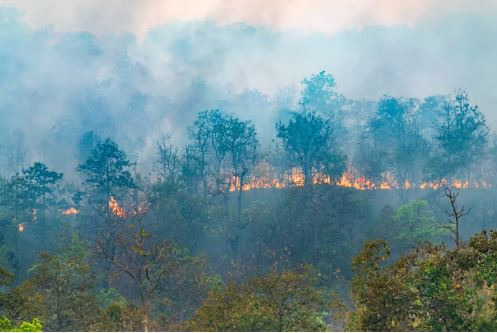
x,y
326,16
154,64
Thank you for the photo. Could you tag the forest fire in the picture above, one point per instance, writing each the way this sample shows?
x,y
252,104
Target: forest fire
x,y
70,211
347,180
116,208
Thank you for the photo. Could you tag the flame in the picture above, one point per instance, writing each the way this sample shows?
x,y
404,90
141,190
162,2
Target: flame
x,y
71,211
20,227
263,179
116,208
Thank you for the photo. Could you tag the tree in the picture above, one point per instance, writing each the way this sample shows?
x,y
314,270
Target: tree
x,y
308,142
238,139
41,183
287,301
144,259
106,175
222,149
181,212
461,137
429,289
319,95
167,162
378,298
199,148
411,225
33,189
106,170
222,146
455,214
65,283
26,200
6,326
17,303
185,286
394,145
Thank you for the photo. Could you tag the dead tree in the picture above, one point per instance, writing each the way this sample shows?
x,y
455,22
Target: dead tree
x,y
455,215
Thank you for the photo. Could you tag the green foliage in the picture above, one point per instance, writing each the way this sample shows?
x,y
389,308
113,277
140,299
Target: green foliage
x,y
110,296
431,289
65,283
185,286
411,225
19,302
152,267
33,326
287,301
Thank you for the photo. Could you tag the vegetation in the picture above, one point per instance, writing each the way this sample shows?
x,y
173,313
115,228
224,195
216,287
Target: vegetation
x,y
342,222
430,289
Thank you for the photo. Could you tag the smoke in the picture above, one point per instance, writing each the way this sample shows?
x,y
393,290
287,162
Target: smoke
x,y
54,85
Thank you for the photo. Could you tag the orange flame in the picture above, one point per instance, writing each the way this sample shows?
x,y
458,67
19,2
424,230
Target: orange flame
x,y
71,211
296,178
116,208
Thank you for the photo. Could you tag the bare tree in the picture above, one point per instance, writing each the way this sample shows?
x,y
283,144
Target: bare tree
x,y
455,215
167,162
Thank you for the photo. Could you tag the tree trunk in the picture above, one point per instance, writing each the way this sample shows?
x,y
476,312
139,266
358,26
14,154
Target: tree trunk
x,y
307,176
145,320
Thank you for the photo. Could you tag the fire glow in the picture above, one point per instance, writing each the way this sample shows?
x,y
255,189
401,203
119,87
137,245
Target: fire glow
x,y
70,211
347,180
116,208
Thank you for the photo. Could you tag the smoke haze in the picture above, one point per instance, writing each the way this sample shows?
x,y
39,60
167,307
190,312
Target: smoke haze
x,y
154,74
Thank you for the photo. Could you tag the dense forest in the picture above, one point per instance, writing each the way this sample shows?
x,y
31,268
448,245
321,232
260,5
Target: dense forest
x,y
355,215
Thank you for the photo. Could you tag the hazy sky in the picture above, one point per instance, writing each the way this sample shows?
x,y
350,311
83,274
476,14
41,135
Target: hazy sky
x,y
331,16
170,59
408,47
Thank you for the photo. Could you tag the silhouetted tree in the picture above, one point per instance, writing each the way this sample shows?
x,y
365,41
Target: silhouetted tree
x,y
28,194
238,139
167,162
308,143
455,214
105,173
106,170
461,137
223,149
394,145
